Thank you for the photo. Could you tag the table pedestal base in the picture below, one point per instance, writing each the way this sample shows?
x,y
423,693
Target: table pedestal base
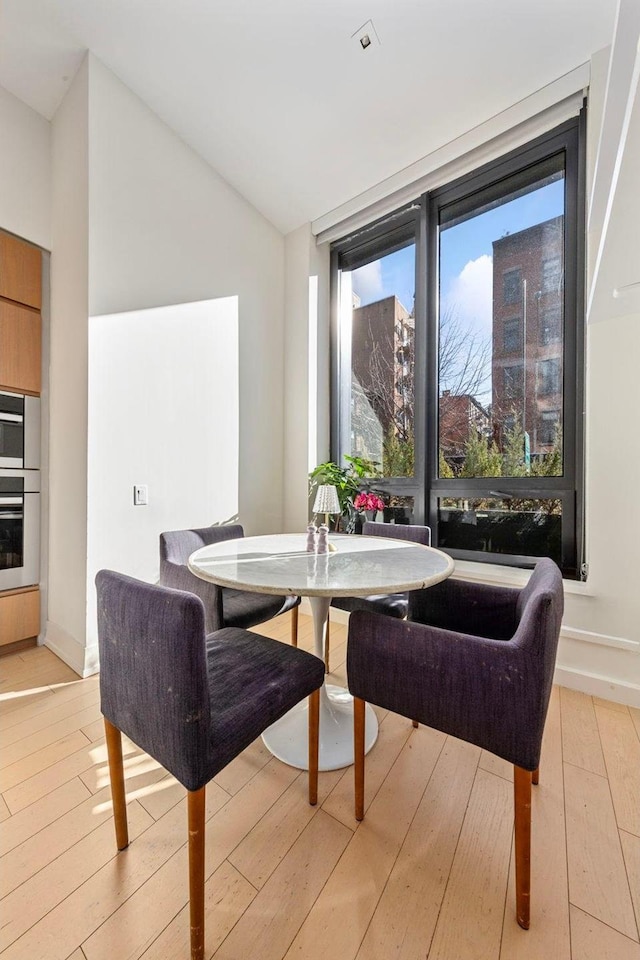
x,y
288,740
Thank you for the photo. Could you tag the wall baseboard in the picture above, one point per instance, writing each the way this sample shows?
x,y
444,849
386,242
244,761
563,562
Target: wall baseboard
x,y
84,660
598,686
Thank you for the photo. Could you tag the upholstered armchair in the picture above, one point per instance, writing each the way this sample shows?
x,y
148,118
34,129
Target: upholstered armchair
x,y
474,661
192,702
223,606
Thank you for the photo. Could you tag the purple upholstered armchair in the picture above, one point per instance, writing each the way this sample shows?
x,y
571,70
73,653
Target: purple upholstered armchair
x,y
392,604
223,606
474,661
193,702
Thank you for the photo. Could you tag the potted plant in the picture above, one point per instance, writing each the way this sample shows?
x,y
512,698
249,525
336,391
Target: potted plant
x,y
347,481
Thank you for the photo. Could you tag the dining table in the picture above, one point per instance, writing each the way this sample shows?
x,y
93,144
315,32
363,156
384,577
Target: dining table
x,y
355,565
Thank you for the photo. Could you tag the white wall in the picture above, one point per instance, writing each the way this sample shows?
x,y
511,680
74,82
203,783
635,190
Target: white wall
x,y
68,377
163,411
166,229
25,171
159,227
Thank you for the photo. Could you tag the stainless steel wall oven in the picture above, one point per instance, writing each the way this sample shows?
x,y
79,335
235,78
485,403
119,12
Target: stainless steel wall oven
x,y
19,431
19,528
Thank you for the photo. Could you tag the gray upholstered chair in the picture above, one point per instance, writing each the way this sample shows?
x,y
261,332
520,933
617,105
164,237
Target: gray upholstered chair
x,y
191,701
223,606
392,604
476,662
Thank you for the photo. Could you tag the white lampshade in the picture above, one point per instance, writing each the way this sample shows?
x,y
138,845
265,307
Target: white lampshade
x,y
327,500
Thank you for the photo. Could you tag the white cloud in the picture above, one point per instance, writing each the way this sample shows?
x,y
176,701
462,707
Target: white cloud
x,y
367,282
470,295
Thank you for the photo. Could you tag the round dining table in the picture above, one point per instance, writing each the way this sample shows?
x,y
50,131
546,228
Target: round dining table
x,y
355,566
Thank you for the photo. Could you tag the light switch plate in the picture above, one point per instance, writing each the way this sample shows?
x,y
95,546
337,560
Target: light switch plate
x,y
140,495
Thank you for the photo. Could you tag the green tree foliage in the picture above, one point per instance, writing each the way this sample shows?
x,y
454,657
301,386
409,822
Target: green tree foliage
x,y
481,458
445,469
513,462
398,455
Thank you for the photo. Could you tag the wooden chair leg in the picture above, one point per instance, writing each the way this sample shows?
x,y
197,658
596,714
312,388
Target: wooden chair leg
x,y
314,733
326,646
116,776
358,754
195,813
535,776
522,805
294,627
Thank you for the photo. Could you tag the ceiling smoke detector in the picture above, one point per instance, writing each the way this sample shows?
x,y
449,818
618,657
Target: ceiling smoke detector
x,y
366,37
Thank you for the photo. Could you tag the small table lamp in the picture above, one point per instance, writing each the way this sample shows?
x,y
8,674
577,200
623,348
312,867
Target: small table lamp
x,y
327,501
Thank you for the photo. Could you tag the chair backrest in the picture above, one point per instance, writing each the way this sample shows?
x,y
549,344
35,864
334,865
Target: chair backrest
x,y
153,674
177,546
398,531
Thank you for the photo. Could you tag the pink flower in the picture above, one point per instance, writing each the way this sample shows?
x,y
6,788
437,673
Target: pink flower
x,y
368,501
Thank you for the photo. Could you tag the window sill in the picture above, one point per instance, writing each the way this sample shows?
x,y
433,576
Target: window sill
x,y
511,577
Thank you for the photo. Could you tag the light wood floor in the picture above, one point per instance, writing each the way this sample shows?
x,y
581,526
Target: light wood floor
x,y
428,873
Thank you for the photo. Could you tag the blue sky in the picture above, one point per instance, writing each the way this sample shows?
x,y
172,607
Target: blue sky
x,y
459,246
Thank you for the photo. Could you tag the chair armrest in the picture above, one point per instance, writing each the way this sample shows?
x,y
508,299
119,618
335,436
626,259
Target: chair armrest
x,y
466,607
480,690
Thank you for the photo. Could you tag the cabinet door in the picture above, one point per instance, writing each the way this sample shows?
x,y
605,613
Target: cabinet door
x,y
20,271
20,341
19,615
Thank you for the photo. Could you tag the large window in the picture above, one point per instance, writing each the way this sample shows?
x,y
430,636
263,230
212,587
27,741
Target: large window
x,y
458,358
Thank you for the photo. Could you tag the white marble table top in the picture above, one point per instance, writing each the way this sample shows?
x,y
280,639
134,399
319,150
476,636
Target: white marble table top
x,y
360,566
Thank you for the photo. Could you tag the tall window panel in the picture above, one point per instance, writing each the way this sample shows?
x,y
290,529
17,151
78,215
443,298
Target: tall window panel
x,y
458,356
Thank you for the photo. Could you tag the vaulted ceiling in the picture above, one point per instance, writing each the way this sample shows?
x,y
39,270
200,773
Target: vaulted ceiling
x,y
281,99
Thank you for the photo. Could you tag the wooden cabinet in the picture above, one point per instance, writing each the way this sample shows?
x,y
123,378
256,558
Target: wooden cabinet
x,y
20,322
19,615
20,348
20,271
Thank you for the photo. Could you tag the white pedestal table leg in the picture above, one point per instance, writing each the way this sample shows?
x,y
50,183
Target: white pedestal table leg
x,y
287,739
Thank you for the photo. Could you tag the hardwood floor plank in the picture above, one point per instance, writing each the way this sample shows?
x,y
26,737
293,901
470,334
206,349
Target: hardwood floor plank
x,y
45,719
28,908
549,935
36,763
610,705
5,813
635,716
593,940
621,749
143,915
136,764
268,843
343,910
50,699
31,820
43,738
405,918
580,735
496,765
631,854
393,734
597,877
469,926
35,852
271,922
59,771
227,896
238,773
28,699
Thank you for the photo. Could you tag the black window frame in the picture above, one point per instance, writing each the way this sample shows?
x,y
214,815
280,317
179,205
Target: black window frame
x,y
418,222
